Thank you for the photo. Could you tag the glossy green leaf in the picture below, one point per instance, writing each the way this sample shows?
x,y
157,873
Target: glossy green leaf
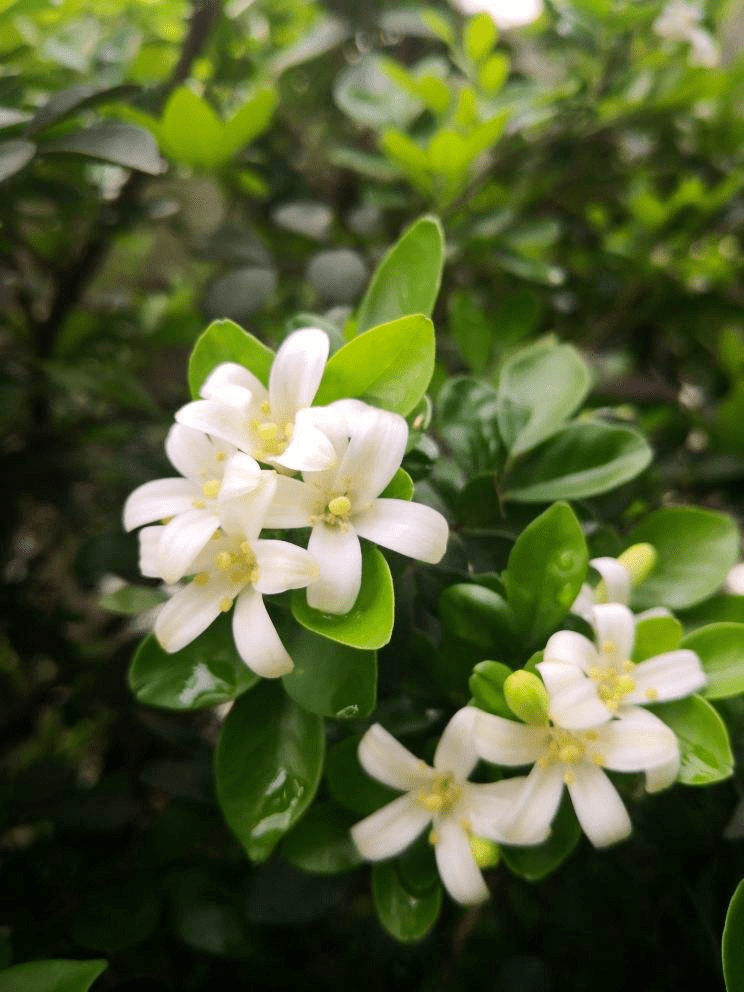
x,y
225,341
732,948
251,120
51,976
268,764
369,623
539,388
477,615
321,843
695,549
206,672
405,915
703,740
389,366
656,635
350,785
583,459
536,863
720,647
14,155
190,131
406,154
399,487
466,419
112,141
71,100
546,568
330,678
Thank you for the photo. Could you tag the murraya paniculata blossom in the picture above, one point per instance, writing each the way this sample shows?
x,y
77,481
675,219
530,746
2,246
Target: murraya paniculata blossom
x,y
569,744
439,797
617,578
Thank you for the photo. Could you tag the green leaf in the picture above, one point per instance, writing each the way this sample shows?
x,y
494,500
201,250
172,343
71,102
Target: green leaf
x,y
487,687
190,131
268,764
536,863
14,155
369,623
111,141
472,329
405,153
479,36
407,279
399,487
206,672
466,418
329,678
477,615
656,635
546,568
389,366
251,120
703,740
539,388
585,458
225,341
321,843
51,976
405,915
349,784
132,600
69,101
732,947
720,647
695,548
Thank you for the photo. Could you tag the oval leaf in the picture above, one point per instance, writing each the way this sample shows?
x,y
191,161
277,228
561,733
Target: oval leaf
x,y
466,418
407,279
389,366
268,764
405,915
111,141
720,647
14,155
703,740
190,131
225,341
369,623
733,942
695,549
321,842
656,635
51,976
329,678
478,615
349,784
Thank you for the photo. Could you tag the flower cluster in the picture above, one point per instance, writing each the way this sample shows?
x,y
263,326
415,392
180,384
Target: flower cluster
x,y
324,468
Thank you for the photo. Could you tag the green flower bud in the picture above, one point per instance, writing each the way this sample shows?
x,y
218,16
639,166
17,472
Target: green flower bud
x,y
526,697
639,559
485,852
486,685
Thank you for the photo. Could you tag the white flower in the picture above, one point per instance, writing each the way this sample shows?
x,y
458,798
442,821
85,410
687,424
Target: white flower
x,y
234,567
441,796
614,587
268,424
214,477
734,582
341,504
571,749
680,21
504,13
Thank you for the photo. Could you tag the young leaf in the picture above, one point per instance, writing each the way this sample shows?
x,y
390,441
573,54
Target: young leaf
x,y
703,740
321,843
268,764
399,487
111,141
225,341
51,976
585,458
190,131
369,623
466,417
695,549
329,678
405,915
720,647
546,567
251,120
733,942
389,366
656,635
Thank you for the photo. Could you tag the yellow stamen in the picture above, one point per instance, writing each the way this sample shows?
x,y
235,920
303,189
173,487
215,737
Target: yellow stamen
x,y
652,694
220,456
569,778
211,488
198,504
569,753
267,431
433,837
225,605
224,560
201,578
339,506
265,407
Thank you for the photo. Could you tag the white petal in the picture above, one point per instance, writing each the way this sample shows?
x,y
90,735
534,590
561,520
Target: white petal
x,y
391,829
339,557
149,557
616,578
282,566
456,863
571,648
384,758
218,420
573,702
296,372
182,540
256,638
489,808
409,528
734,581
455,751
376,447
188,614
242,475
667,676
506,742
584,603
597,805
308,451
294,503
245,516
614,625
662,776
535,806
193,453
229,376
636,741
157,500
337,420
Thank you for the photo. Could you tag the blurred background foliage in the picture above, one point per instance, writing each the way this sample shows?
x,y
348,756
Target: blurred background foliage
x,y
165,162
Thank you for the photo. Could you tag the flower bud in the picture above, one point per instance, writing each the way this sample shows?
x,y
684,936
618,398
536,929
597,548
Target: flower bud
x,y
639,559
486,685
485,852
526,697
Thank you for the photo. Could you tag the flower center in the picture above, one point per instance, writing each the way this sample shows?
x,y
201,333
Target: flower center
x,y
272,437
569,747
441,794
613,680
240,563
336,513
